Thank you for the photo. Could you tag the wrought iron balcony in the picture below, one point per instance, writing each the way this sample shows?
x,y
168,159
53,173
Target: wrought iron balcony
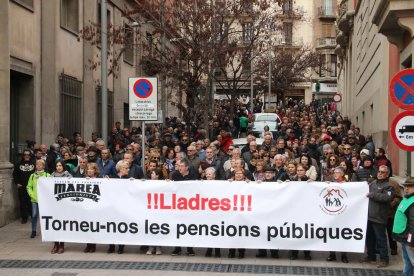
x,y
326,42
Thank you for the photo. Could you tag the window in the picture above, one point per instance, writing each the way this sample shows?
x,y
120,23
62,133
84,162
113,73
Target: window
x,y
150,43
128,44
328,7
69,15
25,3
99,110
287,32
127,122
70,104
108,16
322,68
247,31
287,7
223,31
333,65
327,30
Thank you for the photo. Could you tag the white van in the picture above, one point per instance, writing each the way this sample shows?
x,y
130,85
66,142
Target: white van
x,y
260,120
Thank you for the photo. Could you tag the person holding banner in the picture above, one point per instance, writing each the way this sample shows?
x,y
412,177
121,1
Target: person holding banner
x,y
32,192
61,170
270,176
156,174
92,171
403,228
300,175
183,173
381,193
239,175
211,175
339,177
122,167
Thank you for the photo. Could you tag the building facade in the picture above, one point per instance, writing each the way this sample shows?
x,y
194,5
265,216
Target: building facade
x,y
324,21
47,83
374,43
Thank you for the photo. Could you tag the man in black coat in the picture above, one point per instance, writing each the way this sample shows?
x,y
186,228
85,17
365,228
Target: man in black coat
x,y
21,174
183,173
80,171
135,171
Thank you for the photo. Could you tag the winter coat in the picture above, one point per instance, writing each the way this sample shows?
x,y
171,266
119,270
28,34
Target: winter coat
x,y
381,193
32,185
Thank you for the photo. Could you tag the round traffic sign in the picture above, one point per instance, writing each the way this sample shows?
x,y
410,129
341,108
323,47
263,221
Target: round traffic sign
x,y
337,98
402,89
143,88
402,130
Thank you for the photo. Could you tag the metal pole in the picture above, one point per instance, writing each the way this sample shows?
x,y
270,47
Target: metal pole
x,y
251,82
212,88
163,96
270,71
104,70
143,146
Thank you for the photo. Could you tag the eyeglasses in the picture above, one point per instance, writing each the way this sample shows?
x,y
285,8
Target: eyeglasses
x,y
328,153
231,149
382,172
332,159
185,140
347,148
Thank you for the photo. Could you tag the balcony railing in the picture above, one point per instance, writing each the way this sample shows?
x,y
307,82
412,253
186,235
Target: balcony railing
x,y
294,13
288,42
326,42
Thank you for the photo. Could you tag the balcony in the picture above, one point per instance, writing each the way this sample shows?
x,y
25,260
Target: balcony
x,y
296,13
342,39
345,17
283,42
326,42
326,13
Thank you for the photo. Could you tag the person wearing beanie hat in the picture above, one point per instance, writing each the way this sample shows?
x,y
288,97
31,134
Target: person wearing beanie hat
x,y
364,153
403,228
367,171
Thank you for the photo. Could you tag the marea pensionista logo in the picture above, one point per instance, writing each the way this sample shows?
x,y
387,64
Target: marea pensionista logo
x,y
332,200
77,190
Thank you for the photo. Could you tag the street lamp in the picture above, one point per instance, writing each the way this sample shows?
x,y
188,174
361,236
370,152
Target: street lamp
x,y
104,69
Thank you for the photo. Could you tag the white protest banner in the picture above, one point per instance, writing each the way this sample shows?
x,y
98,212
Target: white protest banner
x,y
290,215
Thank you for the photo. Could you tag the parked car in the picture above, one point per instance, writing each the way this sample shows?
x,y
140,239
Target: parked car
x,y
260,120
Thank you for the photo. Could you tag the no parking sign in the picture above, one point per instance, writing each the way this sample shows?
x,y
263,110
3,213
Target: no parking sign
x,y
143,99
402,89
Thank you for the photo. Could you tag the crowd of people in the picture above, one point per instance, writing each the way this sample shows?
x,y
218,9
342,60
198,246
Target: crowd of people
x,y
312,143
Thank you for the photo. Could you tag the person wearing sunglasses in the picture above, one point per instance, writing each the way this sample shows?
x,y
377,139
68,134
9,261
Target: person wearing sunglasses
x,y
21,174
332,161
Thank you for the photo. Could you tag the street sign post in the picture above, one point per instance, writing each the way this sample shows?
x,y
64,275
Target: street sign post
x,y
143,104
402,89
402,130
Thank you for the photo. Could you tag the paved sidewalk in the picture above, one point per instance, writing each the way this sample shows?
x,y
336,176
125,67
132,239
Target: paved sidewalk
x,y
15,244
